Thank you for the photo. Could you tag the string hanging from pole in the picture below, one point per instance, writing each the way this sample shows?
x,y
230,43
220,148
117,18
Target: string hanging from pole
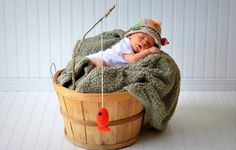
x,y
102,67
102,115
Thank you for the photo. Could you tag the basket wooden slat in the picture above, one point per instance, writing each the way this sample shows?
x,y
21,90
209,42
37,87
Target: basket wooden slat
x,y
79,114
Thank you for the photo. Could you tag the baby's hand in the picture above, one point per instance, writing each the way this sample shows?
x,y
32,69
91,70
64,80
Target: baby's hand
x,y
154,50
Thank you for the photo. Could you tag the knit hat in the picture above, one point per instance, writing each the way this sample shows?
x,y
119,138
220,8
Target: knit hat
x,y
148,26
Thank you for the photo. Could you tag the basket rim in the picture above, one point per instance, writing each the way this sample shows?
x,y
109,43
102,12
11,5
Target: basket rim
x,y
124,95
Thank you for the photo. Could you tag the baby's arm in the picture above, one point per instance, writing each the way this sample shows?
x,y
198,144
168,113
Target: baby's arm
x,y
98,62
133,58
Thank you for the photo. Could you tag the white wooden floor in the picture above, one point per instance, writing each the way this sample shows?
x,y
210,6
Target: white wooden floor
x,y
203,120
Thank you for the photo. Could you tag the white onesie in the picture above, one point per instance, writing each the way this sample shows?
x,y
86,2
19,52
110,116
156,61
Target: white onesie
x,y
114,56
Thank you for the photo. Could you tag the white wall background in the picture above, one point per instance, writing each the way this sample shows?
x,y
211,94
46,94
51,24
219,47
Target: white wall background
x,y
35,33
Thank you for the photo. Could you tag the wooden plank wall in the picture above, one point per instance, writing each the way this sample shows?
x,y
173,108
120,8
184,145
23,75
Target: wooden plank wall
x,y
35,33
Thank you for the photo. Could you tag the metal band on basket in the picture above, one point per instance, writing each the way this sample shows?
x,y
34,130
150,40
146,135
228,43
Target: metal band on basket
x,y
111,123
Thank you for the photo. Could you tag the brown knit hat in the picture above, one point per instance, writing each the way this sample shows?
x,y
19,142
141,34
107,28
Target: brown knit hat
x,y
148,26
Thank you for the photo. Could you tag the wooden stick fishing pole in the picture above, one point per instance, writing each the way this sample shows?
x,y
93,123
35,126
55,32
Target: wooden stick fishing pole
x,y
78,47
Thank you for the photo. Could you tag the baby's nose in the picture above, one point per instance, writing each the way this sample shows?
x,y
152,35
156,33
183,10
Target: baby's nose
x,y
144,43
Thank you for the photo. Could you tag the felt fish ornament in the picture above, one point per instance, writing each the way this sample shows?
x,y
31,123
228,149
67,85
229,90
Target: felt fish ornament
x,y
103,120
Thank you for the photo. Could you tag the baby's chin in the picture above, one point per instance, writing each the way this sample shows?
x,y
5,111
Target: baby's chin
x,y
136,51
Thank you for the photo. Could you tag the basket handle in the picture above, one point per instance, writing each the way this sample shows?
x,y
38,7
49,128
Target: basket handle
x,y
78,47
55,68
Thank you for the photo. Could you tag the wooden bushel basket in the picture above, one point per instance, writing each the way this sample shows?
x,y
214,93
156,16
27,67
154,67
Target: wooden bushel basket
x,y
79,114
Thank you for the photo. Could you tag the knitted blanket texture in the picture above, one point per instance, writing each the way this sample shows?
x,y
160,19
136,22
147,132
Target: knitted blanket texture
x,y
154,80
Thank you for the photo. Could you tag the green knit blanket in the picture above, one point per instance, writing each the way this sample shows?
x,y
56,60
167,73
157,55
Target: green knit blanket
x,y
154,80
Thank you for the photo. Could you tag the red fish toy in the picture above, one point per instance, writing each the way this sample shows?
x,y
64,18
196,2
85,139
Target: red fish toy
x,y
103,120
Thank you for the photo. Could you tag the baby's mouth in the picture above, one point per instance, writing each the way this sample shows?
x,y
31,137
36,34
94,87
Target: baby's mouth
x,y
139,46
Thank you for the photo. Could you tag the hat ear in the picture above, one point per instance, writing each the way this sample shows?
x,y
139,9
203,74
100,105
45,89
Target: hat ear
x,y
158,23
164,41
155,23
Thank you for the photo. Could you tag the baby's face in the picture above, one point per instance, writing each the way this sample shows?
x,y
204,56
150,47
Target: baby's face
x,y
141,41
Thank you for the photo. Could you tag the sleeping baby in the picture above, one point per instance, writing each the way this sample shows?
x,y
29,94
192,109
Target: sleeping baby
x,y
142,39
